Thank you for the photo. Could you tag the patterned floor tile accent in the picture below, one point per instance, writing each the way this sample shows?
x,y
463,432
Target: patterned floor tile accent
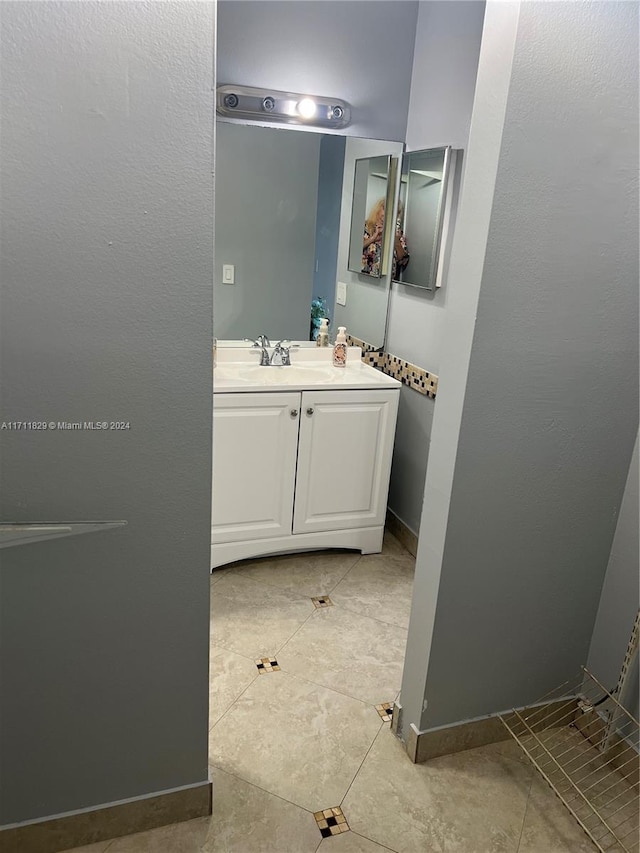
x,y
267,665
323,601
385,711
331,822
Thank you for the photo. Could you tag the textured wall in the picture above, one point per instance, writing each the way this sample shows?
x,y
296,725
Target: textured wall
x,y
443,83
106,270
619,601
541,378
362,54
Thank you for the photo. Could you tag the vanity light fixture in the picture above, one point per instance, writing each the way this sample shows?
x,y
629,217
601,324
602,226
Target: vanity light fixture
x,y
246,102
307,108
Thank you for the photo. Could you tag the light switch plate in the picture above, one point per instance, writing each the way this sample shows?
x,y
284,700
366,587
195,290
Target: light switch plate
x,y
228,274
341,293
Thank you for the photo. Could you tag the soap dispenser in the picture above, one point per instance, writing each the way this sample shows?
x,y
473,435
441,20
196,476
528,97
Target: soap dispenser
x,y
340,348
323,333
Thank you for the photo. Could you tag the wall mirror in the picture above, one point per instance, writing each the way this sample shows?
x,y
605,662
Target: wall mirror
x,y
372,187
424,184
282,232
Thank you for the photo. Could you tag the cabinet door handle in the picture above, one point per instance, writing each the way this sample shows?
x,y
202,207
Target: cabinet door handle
x,y
294,413
310,411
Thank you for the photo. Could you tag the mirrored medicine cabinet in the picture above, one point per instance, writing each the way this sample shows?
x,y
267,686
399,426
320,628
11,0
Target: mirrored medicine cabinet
x,y
420,212
373,195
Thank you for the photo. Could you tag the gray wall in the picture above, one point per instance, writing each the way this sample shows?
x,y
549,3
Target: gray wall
x,y
330,173
106,270
443,82
266,202
362,54
619,600
538,413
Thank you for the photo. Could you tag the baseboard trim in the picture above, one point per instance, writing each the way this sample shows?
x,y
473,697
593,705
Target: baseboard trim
x,y
396,727
77,829
447,740
402,533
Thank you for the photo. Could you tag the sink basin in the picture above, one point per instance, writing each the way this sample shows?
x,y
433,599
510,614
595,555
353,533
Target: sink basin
x,y
308,373
291,375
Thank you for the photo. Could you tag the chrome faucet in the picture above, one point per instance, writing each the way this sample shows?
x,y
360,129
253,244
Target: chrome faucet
x,y
261,341
281,356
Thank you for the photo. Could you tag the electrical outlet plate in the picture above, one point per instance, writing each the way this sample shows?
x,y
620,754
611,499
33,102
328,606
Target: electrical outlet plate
x,y
341,293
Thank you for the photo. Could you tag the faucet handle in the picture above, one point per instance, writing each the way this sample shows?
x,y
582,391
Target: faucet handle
x,y
283,352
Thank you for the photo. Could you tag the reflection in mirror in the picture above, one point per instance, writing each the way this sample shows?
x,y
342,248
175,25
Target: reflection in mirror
x,y
278,195
370,192
419,216
283,213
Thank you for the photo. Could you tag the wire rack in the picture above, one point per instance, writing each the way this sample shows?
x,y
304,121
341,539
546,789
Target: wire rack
x,y
585,744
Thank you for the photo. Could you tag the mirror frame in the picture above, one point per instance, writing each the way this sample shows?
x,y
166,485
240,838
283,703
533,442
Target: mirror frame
x,y
430,284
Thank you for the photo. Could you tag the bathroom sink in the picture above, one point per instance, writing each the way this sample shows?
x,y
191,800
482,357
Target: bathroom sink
x,y
310,370
290,375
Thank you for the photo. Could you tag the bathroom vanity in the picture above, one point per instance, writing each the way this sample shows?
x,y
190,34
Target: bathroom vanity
x,y
301,454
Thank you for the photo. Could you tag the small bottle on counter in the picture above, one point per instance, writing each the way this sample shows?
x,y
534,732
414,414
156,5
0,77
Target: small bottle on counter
x,y
340,348
323,333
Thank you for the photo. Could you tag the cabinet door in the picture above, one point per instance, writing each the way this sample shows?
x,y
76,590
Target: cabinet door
x,y
254,463
344,459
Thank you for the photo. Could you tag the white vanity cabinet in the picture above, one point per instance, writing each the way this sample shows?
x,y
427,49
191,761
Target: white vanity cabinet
x,y
344,459
300,470
255,440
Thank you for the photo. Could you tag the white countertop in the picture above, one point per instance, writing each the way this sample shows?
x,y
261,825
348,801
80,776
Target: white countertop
x,y
311,369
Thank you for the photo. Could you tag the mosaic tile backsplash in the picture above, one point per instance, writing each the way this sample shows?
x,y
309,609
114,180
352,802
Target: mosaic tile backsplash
x,y
409,374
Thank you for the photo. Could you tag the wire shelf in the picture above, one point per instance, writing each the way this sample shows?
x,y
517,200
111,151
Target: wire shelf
x,y
585,745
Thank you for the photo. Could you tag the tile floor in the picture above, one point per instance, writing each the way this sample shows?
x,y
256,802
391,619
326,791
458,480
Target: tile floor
x,y
301,751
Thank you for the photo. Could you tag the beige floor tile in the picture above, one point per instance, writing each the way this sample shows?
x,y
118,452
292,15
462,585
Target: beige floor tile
x,y
379,587
217,575
229,675
548,826
507,749
353,654
247,819
99,847
253,619
615,800
350,842
303,574
466,803
187,837
294,739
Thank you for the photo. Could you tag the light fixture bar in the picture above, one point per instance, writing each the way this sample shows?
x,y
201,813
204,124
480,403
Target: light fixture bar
x,y
247,102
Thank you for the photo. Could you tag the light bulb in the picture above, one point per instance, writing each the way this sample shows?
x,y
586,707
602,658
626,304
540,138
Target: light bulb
x,y
307,108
